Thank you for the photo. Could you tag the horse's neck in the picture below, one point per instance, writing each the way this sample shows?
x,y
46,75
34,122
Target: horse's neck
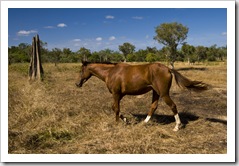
x,y
101,70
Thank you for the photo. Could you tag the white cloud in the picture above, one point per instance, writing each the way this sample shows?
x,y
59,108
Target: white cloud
x,y
76,40
109,17
98,39
224,33
147,36
25,33
112,38
137,17
61,25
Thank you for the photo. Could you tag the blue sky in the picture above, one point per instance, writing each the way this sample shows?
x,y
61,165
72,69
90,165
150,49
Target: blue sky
x,y
99,28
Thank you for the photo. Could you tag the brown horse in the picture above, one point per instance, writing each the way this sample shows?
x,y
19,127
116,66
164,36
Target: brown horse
x,y
124,79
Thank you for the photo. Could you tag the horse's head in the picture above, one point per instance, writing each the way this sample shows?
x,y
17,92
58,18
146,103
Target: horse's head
x,y
84,74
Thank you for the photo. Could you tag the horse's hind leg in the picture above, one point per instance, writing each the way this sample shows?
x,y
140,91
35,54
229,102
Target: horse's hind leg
x,y
153,107
172,105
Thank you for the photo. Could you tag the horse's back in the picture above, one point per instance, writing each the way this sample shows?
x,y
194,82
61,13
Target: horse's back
x,y
140,70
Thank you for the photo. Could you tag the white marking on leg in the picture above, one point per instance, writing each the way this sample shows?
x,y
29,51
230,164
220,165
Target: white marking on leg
x,y
125,120
177,119
178,122
147,118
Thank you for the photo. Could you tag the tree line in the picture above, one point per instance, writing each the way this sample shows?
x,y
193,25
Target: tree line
x,y
187,53
171,35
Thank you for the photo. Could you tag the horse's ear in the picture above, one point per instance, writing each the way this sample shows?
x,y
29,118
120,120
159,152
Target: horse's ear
x,y
84,63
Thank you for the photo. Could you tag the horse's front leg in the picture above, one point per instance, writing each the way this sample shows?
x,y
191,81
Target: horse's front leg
x,y
116,105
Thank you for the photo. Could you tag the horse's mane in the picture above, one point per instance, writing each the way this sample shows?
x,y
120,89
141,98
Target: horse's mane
x,y
85,63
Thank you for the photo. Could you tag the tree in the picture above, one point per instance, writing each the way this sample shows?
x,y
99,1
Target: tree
x,y
105,55
152,50
222,55
20,53
56,55
66,55
95,57
126,49
116,56
171,35
84,53
151,57
165,53
189,52
66,51
140,55
212,53
201,53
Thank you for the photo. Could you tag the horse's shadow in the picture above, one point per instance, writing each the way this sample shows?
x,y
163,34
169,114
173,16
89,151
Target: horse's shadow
x,y
192,68
167,119
217,120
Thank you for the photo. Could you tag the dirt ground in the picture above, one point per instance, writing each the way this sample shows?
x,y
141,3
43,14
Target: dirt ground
x,y
56,117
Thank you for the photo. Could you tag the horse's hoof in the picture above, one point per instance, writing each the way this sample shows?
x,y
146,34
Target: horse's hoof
x,y
142,123
178,127
125,120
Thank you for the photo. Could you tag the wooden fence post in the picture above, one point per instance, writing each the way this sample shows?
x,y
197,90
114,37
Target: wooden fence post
x,y
35,68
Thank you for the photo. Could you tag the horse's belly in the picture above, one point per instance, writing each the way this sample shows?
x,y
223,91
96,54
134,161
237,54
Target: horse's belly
x,y
140,92
135,89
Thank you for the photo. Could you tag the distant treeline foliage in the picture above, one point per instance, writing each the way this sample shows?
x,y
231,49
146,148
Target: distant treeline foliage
x,y
187,53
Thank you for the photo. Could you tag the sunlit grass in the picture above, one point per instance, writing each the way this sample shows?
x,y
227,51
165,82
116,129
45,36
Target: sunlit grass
x,y
54,116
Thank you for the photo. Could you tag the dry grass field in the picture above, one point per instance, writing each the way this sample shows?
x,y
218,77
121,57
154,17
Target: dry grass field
x,y
56,117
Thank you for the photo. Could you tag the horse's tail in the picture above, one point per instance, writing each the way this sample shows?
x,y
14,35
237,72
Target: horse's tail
x,y
187,83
